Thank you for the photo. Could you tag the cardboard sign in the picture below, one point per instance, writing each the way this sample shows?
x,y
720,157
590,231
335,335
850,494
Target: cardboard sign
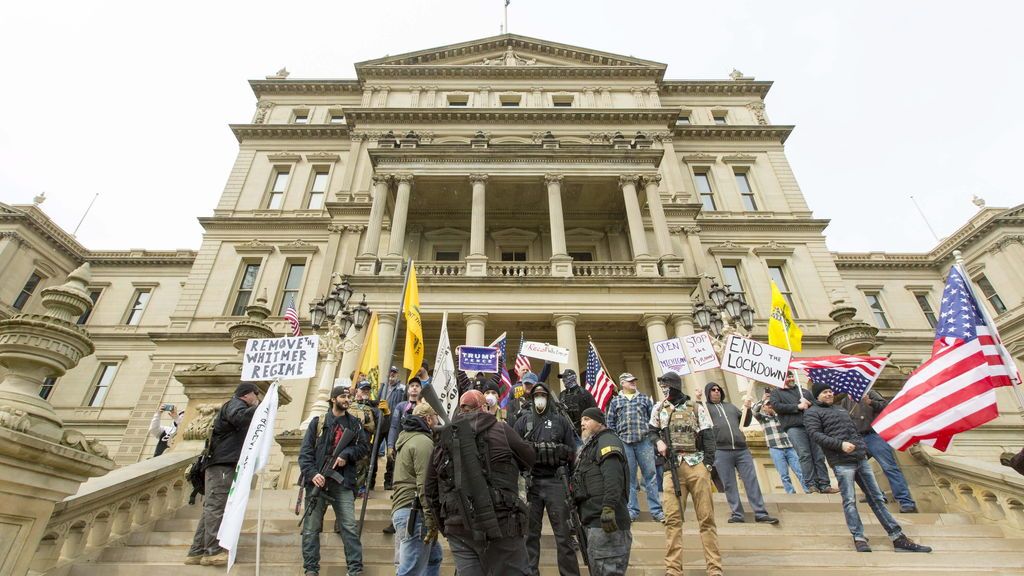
x,y
545,351
700,352
280,358
671,357
478,359
755,360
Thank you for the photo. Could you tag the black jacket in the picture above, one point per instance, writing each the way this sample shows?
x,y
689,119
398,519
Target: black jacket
x,y
864,414
229,430
726,420
576,400
548,426
314,450
829,426
785,401
599,480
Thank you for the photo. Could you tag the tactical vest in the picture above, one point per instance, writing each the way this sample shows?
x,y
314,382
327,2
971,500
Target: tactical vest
x,y
364,414
683,426
587,480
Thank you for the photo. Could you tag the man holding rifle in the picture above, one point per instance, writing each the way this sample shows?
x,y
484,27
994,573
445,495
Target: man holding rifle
x,y
332,446
683,435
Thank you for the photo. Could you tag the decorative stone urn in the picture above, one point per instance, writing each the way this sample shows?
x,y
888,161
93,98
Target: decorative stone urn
x,y
851,336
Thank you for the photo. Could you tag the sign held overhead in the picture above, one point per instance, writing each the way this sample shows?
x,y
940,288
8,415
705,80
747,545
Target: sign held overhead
x,y
700,352
671,357
545,351
289,358
755,360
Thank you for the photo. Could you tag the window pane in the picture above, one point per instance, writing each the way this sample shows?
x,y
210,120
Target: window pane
x,y
94,295
103,385
295,272
276,200
138,307
742,183
47,387
926,309
280,182
446,256
719,120
316,201
776,275
582,256
731,276
320,182
241,301
876,309
990,293
683,120
245,287
337,118
708,201
703,184
302,117
26,292
249,276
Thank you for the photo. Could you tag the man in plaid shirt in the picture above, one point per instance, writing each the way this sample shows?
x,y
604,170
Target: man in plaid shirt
x,y
628,414
783,454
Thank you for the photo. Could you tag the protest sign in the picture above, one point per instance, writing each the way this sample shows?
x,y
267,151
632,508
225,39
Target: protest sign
x,y
671,357
757,361
545,351
478,359
700,352
280,358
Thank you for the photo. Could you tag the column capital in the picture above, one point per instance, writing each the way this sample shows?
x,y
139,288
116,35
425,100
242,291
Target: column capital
x,y
469,317
628,179
690,230
481,178
564,318
650,179
404,178
553,178
648,320
684,319
381,178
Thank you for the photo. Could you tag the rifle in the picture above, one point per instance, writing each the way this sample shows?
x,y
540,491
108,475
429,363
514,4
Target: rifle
x,y
673,465
298,499
327,469
575,524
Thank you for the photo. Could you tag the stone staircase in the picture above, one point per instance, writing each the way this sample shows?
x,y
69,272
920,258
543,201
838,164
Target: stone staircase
x,y
811,539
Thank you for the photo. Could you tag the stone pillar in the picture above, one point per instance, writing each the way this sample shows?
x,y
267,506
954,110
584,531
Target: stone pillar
x,y
606,97
476,261
588,97
485,97
700,261
366,263
561,263
414,96
653,98
683,325
537,97
565,328
367,97
385,340
671,264
391,265
645,264
677,187
656,332
476,324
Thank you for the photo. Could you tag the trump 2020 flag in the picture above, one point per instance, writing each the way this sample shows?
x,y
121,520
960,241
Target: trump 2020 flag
x,y
255,454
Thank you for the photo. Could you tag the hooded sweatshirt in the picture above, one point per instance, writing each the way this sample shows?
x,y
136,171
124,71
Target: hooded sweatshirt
x,y
412,457
725,418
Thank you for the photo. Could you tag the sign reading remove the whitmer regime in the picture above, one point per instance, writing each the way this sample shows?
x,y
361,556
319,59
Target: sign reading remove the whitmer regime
x,y
756,360
280,358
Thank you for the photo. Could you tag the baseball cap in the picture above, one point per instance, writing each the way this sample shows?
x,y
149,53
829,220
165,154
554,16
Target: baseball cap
x,y
627,376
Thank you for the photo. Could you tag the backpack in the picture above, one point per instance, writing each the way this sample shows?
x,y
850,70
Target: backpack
x,y
196,471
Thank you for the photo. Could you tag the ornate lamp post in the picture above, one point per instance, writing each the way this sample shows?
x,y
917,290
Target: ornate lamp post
x,y
336,322
723,313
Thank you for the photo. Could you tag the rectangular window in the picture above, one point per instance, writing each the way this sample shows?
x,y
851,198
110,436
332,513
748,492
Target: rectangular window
x,y
562,101
719,118
138,307
245,288
990,294
707,195
458,100
336,117
108,371
277,190
47,387
317,190
875,303
778,276
290,292
683,120
301,117
447,256
926,308
745,192
94,295
510,100
731,278
27,291
513,256
581,256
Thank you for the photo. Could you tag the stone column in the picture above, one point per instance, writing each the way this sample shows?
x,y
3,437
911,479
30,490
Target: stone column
x,y
588,97
476,261
391,265
671,264
366,263
561,263
565,329
683,325
645,264
700,261
476,324
677,187
537,97
385,339
414,96
656,332
485,97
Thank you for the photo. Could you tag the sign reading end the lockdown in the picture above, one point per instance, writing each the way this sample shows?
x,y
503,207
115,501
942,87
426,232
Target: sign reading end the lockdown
x,y
756,360
280,358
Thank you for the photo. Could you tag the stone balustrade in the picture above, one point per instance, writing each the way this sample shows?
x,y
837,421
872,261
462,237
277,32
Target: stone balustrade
x,y
440,269
988,491
519,269
108,508
604,269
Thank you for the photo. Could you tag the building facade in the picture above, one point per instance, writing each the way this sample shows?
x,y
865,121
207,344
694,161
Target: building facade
x,y
555,191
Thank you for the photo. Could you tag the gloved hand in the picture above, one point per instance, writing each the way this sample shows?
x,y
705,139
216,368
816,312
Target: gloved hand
x,y
431,528
518,392
383,407
608,523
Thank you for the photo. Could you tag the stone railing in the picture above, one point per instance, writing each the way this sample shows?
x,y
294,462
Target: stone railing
x,y
988,491
518,269
108,508
440,269
603,269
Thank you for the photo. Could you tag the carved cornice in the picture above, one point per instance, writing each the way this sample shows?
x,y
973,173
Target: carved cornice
x,y
535,72
447,154
287,131
716,87
306,86
254,246
739,159
284,156
730,248
297,246
770,133
277,222
322,157
652,116
700,158
773,248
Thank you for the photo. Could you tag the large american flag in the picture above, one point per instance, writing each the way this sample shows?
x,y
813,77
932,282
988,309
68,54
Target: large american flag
x,y
522,362
293,318
599,384
505,394
955,389
852,375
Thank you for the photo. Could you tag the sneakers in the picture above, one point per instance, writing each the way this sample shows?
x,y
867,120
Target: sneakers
x,y
660,519
904,544
218,559
389,529
736,520
861,546
194,560
908,509
767,520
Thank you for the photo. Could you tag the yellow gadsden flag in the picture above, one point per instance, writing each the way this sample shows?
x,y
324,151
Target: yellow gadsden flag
x,y
413,325
369,358
782,329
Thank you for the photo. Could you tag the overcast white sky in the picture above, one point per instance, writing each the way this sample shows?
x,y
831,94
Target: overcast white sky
x,y
890,99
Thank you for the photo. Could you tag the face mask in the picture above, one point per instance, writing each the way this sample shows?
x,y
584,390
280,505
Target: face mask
x,y
540,403
492,400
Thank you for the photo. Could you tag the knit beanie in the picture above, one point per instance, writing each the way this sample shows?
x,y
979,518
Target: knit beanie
x,y
819,387
594,414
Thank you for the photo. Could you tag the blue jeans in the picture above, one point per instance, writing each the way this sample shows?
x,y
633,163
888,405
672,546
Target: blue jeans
x,y
642,454
861,475
881,451
812,459
785,459
343,501
414,557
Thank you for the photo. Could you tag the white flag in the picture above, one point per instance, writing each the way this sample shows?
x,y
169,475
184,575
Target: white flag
x,y
254,457
444,381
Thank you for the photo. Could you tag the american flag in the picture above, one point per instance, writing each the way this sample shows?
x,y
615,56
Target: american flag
x,y
955,389
600,386
522,362
293,318
852,375
501,343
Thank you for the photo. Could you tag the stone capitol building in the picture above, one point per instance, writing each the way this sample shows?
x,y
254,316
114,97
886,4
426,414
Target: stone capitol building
x,y
539,188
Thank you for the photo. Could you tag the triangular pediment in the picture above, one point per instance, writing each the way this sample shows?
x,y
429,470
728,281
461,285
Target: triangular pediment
x,y
511,50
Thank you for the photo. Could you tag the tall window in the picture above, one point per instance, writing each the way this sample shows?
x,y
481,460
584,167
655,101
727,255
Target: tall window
x,y
745,191
990,294
27,291
47,387
926,308
245,288
707,195
777,274
278,189
94,295
292,283
875,303
317,190
108,370
513,255
138,307
731,277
